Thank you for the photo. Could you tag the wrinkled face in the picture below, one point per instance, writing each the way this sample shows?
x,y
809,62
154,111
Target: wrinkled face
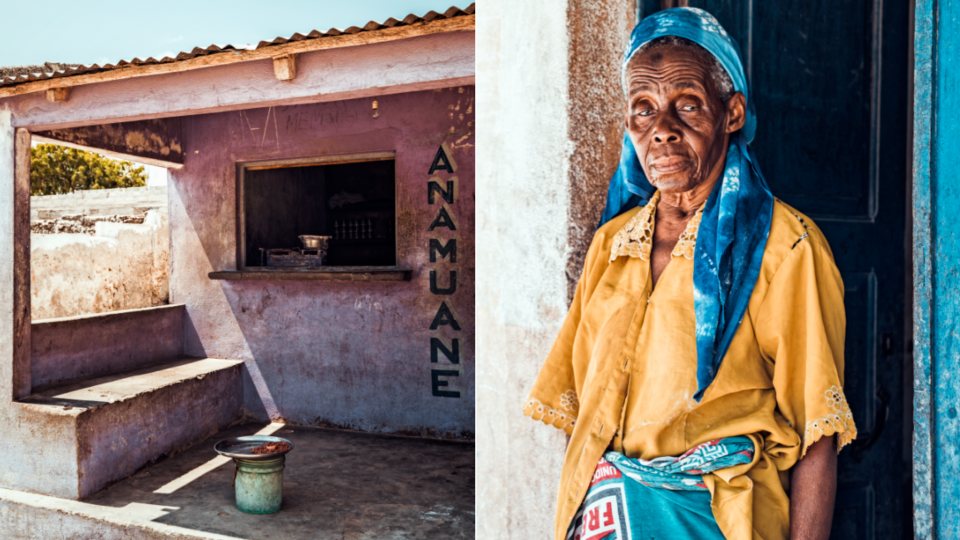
x,y
679,125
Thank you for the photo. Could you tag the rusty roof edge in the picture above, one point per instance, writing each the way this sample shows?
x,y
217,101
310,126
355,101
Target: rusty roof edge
x,y
69,71
46,67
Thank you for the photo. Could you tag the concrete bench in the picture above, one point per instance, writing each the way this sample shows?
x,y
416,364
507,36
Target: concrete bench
x,y
113,392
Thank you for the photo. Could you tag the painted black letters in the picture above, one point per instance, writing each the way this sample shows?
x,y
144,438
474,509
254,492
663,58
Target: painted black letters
x,y
437,347
437,290
441,162
443,250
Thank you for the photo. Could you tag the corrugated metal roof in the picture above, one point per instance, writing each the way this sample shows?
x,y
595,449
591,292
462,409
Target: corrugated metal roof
x,y
49,67
17,75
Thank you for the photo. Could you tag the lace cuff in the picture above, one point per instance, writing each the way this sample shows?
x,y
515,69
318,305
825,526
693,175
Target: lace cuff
x,y
839,423
536,410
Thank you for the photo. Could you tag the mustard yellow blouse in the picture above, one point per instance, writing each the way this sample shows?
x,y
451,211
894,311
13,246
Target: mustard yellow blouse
x,y
622,373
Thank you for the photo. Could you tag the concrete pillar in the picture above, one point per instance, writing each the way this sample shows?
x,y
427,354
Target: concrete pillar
x,y
21,266
39,448
14,260
7,246
551,108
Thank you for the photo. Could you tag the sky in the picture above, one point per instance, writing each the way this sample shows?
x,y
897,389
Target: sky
x,y
106,31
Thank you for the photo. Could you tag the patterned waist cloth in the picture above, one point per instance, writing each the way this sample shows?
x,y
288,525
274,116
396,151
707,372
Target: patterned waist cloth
x,y
662,498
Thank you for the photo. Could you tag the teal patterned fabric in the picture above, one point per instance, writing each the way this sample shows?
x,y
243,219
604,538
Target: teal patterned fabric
x,y
659,499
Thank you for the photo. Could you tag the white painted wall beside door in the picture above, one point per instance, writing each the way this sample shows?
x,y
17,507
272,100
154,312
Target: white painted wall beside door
x,y
551,110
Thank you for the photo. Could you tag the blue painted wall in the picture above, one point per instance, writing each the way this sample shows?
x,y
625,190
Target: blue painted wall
x,y
936,177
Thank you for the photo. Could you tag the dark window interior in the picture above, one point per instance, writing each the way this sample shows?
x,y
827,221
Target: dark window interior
x,y
352,202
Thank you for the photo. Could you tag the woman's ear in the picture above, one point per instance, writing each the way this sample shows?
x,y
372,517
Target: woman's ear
x,y
736,112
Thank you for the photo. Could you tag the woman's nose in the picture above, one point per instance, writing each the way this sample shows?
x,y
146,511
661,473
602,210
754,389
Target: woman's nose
x,y
665,129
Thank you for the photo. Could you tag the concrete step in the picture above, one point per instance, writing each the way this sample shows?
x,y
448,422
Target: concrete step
x,y
119,423
28,516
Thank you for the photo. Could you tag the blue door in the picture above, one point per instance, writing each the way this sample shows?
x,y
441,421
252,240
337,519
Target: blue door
x,y
830,83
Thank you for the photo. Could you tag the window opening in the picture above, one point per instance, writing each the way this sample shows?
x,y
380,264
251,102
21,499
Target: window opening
x,y
99,238
306,216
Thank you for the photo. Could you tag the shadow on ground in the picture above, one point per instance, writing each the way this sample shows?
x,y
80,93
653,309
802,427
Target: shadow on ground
x,y
336,485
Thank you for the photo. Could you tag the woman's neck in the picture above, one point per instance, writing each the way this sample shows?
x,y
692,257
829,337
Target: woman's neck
x,y
680,207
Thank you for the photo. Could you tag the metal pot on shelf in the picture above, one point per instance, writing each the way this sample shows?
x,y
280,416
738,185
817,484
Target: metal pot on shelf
x,y
315,242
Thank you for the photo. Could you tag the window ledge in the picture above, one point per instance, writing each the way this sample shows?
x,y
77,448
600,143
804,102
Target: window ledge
x,y
327,273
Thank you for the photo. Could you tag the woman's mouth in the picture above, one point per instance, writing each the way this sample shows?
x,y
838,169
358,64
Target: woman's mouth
x,y
669,164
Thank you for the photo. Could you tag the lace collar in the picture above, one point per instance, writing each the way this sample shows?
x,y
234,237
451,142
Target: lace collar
x,y
635,239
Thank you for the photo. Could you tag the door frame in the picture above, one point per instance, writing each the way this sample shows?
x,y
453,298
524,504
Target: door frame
x,y
935,250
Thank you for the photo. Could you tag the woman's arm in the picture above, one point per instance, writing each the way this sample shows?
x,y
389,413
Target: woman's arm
x,y
813,488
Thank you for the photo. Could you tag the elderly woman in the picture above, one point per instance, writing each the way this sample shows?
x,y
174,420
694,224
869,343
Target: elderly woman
x,y
699,371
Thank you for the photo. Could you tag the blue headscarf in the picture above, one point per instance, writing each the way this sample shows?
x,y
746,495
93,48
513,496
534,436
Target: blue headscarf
x,y
736,218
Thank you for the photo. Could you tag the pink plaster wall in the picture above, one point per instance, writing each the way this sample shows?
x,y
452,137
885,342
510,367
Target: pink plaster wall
x,y
88,346
343,353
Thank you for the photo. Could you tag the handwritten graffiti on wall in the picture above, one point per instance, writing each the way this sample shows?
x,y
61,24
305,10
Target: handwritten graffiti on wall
x,y
444,355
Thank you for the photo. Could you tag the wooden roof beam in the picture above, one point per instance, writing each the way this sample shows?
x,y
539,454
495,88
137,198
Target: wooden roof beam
x,y
155,142
58,95
285,67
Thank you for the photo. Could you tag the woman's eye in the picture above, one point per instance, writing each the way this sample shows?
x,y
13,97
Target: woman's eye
x,y
688,108
643,112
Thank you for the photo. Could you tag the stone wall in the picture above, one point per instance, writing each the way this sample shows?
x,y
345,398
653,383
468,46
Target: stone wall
x,y
122,266
119,262
100,202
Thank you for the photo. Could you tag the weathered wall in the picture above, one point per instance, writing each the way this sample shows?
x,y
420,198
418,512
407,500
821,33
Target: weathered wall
x,y
599,31
26,468
341,353
551,112
94,345
100,202
123,266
